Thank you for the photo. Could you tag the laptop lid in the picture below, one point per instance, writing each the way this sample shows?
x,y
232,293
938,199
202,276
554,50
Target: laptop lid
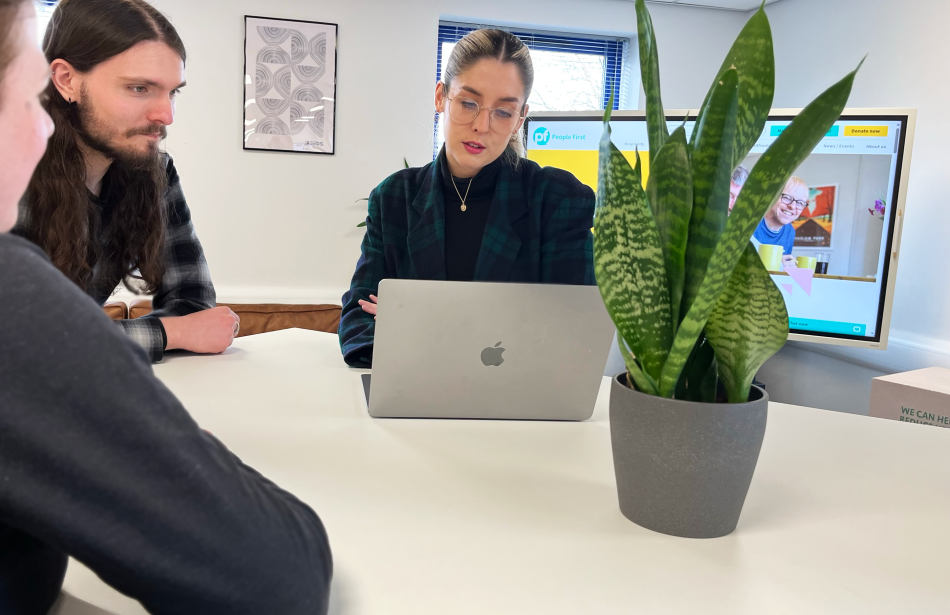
x,y
488,350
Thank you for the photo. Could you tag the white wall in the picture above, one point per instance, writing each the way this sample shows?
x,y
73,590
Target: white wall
x,y
804,378
293,236
818,42
281,227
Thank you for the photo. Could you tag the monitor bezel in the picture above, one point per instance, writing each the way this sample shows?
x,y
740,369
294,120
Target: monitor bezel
x,y
908,119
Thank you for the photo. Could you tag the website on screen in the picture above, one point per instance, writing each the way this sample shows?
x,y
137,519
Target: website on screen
x,y
824,240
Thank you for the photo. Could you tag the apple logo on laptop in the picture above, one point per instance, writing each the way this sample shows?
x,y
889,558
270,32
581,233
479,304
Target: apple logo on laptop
x,y
491,357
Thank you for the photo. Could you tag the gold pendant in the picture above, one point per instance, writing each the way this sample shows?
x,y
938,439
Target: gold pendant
x,y
464,207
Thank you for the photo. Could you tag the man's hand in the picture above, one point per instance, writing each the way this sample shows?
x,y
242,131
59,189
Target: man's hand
x,y
208,332
370,306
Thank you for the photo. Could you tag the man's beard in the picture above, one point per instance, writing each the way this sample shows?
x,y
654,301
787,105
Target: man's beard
x,y
96,135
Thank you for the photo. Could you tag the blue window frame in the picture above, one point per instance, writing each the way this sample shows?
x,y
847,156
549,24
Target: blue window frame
x,y
612,50
44,10
45,7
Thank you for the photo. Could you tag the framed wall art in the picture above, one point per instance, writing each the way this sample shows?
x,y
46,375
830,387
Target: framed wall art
x,y
814,227
289,85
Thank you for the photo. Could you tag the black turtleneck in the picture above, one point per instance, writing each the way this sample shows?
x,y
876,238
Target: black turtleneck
x,y
464,229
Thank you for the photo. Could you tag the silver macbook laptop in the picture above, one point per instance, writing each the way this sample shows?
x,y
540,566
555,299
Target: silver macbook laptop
x,y
478,350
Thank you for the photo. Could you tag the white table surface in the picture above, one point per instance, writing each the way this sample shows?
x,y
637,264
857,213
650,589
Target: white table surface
x,y
846,514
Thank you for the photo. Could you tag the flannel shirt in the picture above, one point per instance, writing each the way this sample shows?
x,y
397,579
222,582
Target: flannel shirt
x,y
186,287
538,231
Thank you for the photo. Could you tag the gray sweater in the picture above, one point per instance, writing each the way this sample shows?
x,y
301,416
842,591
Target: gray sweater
x,y
99,461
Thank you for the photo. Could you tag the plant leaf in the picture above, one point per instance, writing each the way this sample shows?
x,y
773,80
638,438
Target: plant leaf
x,y
628,260
670,195
748,325
700,375
644,383
764,185
405,162
712,163
650,74
610,104
709,383
753,58
361,225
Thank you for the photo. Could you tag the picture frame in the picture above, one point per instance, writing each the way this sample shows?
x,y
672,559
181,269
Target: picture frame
x,y
815,227
290,77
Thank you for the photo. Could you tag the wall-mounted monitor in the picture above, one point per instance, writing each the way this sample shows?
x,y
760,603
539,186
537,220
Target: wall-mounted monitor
x,y
840,216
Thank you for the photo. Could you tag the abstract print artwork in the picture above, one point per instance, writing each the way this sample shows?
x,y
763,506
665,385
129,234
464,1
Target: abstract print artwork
x,y
814,227
289,85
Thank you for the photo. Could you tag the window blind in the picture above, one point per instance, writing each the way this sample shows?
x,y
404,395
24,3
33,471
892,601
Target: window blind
x,y
613,50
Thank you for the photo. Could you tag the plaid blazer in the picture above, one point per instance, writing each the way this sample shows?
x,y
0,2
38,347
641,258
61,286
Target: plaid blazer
x,y
538,230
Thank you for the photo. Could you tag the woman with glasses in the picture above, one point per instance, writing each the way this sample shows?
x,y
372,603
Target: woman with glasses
x,y
480,211
776,227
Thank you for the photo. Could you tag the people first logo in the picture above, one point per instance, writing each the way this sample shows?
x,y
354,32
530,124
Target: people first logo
x,y
542,136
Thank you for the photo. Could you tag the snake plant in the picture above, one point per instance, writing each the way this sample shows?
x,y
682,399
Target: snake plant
x,y
693,304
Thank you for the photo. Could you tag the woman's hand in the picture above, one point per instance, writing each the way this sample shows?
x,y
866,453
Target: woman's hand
x,y
789,261
370,306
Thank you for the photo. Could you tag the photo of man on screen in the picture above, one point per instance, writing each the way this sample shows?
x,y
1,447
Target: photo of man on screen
x,y
776,227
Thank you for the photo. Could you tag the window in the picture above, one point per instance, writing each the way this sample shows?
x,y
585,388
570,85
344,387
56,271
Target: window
x,y
44,10
571,72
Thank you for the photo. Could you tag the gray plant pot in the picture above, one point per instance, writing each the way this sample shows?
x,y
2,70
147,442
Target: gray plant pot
x,y
684,468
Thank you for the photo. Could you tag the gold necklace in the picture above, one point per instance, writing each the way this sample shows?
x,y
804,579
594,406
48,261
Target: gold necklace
x,y
466,192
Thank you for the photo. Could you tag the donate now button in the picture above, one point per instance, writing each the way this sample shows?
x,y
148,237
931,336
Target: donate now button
x,y
865,131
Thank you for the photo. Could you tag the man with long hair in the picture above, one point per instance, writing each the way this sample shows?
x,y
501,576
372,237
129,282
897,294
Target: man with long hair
x,y
98,460
106,203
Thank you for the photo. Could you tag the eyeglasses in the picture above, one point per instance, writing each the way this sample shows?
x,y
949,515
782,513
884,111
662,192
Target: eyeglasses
x,y
503,120
788,199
